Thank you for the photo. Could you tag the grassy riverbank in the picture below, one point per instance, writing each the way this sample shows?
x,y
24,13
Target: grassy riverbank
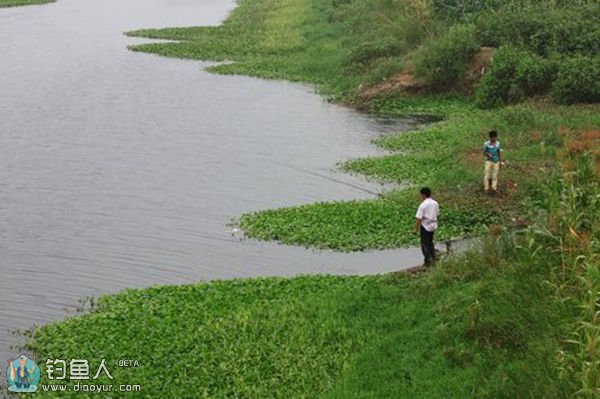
x,y
491,323
350,48
447,157
16,3
516,318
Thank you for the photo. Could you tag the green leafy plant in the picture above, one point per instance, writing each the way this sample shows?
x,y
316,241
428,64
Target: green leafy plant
x,y
514,75
578,80
443,61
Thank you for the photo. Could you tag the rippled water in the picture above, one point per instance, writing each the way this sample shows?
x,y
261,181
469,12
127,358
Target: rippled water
x,y
120,169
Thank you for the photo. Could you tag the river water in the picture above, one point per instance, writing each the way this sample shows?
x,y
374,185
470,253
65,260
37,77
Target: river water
x,y
121,169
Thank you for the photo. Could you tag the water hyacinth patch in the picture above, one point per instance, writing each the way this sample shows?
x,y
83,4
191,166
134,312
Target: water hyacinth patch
x,y
354,225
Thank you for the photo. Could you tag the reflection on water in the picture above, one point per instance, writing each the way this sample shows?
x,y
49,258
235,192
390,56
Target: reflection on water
x,y
121,169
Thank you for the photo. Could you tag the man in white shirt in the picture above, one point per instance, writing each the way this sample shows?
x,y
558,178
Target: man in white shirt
x,y
426,224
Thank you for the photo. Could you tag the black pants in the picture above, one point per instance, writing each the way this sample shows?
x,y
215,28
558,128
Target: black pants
x,y
427,245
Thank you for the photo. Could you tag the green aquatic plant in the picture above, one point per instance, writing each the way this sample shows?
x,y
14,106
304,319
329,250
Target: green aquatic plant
x,y
355,225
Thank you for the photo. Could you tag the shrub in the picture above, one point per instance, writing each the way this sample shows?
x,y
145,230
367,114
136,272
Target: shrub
x,y
496,29
534,74
542,29
578,80
514,75
576,31
443,61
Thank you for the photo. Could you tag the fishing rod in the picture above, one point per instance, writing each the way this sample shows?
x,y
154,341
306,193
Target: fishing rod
x,y
332,179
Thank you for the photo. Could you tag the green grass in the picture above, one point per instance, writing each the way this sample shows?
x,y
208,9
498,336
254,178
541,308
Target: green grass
x,y
222,339
16,3
305,337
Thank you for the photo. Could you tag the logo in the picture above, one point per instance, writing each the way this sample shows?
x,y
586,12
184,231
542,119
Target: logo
x,y
23,375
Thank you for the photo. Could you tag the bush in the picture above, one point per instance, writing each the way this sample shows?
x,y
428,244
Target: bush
x,y
514,75
578,80
444,60
542,29
527,30
534,74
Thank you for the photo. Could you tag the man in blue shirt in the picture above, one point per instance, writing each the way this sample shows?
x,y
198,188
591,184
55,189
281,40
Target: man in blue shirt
x,y
493,160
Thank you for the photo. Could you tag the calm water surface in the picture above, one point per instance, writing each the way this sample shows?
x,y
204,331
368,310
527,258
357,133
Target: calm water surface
x,y
120,169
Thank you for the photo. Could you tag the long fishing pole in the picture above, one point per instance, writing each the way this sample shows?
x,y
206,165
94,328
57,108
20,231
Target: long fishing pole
x,y
323,176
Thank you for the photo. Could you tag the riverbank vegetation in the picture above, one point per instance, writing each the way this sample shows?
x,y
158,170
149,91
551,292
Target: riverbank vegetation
x,y
545,47
447,157
425,57
16,3
516,318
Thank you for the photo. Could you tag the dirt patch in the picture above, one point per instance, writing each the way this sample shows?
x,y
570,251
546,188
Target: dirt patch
x,y
405,81
536,137
479,64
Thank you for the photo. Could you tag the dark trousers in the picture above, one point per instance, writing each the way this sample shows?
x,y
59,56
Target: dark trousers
x,y
427,245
